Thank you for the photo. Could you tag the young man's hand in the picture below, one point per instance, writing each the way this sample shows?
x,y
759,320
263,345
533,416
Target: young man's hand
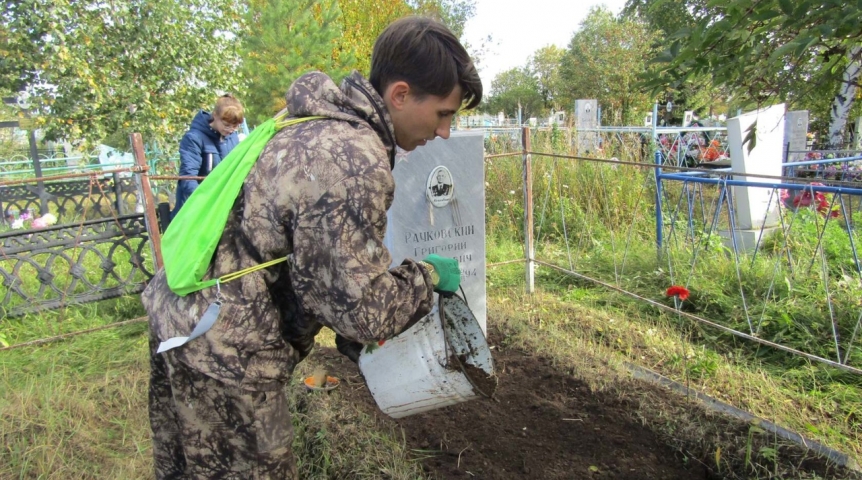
x,y
445,273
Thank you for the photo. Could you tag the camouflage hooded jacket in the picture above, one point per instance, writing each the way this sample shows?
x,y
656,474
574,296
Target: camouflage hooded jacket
x,y
319,191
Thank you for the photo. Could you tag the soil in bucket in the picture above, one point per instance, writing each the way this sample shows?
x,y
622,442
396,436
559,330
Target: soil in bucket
x,y
483,383
470,353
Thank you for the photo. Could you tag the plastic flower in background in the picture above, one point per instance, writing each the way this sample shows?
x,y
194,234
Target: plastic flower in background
x,y
49,219
44,221
712,152
371,347
678,291
805,198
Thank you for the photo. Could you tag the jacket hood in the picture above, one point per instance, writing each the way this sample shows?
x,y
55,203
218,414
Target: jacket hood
x,y
356,101
201,123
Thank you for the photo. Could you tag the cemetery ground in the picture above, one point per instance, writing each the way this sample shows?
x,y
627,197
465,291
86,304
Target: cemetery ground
x,y
567,405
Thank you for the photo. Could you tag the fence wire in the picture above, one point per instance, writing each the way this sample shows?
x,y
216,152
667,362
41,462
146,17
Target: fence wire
x,y
796,292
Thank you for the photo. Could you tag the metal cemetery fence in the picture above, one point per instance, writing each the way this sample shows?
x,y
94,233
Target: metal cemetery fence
x,y
71,199
636,228
72,264
105,245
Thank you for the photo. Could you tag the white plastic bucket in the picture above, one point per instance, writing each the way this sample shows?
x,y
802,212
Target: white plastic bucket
x,y
434,364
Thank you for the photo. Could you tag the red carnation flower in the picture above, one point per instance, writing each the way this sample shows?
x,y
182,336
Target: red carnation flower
x,y
380,343
677,291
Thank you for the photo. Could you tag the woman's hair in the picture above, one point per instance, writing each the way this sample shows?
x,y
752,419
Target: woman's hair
x,y
424,53
229,110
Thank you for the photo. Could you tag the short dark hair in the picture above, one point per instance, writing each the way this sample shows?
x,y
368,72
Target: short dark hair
x,y
424,53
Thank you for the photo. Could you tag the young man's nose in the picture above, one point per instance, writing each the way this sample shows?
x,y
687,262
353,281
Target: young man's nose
x,y
443,131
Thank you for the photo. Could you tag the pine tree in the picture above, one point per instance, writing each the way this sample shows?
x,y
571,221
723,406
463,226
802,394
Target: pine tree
x,y
285,39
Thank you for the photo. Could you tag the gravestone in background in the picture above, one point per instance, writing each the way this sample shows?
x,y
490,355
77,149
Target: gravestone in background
x,y
795,134
587,116
687,118
439,207
756,207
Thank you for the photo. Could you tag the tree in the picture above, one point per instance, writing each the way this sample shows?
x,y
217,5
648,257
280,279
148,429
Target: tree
x,y
362,22
663,18
545,63
94,68
286,39
514,88
667,16
773,51
603,61
452,13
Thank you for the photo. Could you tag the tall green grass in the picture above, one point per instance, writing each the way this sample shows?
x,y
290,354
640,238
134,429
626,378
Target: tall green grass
x,y
599,219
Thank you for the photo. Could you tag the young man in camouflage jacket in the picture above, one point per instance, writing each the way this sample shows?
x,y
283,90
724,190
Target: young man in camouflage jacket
x,y
319,191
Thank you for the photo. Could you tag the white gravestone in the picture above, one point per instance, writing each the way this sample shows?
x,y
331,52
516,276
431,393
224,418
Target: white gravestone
x,y
439,207
587,116
687,118
796,134
754,210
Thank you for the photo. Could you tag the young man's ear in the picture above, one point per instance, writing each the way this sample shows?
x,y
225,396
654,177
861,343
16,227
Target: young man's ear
x,y
396,94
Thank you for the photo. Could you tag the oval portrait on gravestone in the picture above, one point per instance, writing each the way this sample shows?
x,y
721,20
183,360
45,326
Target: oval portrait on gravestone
x,y
440,187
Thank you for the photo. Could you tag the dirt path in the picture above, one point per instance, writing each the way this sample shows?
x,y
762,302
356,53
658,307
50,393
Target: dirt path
x,y
542,425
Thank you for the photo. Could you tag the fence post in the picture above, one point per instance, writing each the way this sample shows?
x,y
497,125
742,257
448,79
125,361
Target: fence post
x,y
659,221
655,122
118,195
529,250
143,180
37,169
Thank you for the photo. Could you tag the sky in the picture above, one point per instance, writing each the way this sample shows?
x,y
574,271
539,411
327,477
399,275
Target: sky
x,y
519,28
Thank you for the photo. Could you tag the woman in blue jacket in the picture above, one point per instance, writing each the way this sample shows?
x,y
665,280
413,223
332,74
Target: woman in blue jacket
x,y
209,139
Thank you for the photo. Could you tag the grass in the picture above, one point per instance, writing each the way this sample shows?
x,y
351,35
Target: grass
x,y
77,408
335,439
599,220
595,341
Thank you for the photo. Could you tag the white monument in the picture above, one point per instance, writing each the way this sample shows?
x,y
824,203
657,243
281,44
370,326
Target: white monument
x,y
687,118
755,213
587,117
796,134
648,120
439,207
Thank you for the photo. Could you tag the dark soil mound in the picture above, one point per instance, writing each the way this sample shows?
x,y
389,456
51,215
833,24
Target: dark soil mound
x,y
540,424
545,424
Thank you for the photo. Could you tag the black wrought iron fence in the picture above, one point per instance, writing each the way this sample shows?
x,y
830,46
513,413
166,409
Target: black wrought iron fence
x,y
73,264
71,200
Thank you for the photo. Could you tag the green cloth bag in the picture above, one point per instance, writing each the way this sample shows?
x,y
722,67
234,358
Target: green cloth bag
x,y
191,239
